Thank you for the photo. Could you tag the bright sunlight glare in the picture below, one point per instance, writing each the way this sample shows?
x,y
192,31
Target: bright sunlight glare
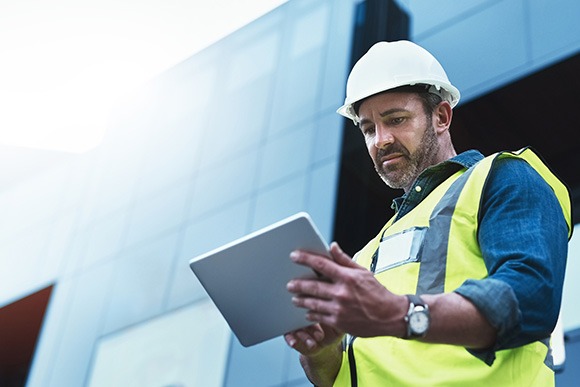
x,y
64,63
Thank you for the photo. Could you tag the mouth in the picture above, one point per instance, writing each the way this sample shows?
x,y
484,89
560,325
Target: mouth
x,y
391,158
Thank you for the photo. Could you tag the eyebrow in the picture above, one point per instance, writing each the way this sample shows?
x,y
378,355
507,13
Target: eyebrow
x,y
383,114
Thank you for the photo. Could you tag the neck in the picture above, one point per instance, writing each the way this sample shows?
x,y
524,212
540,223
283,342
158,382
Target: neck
x,y
444,154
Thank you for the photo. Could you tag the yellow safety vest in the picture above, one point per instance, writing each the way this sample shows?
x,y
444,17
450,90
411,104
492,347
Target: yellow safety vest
x,y
443,253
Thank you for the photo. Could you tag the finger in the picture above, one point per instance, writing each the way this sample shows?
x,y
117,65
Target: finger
x,y
290,339
312,304
294,340
340,257
314,288
321,318
316,332
305,342
322,265
321,336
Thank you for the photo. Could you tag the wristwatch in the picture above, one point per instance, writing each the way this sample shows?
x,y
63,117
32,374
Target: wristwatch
x,y
417,317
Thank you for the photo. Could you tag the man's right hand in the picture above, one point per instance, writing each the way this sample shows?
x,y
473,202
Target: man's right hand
x,y
313,339
320,352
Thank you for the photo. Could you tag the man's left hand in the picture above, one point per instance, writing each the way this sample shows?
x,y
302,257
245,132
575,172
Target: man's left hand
x,y
347,296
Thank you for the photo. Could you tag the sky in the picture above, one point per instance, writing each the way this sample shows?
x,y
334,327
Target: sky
x,y
64,62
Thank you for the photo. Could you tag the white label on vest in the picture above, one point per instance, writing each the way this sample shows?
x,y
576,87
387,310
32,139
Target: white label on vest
x,y
400,248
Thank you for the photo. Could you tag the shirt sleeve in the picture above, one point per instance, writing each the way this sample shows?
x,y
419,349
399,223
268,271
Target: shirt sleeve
x,y
523,237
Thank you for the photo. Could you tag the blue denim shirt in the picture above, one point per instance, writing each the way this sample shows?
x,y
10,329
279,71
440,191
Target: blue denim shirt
x,y
523,237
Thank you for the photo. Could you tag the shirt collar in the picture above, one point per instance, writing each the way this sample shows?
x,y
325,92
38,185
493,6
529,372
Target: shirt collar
x,y
466,159
436,174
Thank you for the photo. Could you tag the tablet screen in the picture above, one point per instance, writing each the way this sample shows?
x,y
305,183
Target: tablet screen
x,y
246,279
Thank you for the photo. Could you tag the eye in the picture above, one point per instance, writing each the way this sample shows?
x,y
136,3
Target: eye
x,y
397,120
368,130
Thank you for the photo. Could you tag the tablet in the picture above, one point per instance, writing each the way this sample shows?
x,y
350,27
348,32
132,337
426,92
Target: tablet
x,y
246,279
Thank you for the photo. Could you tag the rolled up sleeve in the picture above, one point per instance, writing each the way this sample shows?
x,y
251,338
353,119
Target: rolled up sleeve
x,y
523,238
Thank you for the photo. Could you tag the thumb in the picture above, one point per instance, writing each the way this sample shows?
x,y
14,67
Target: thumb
x,y
340,257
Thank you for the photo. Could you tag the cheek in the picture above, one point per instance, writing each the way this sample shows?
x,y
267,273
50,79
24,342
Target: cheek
x,y
370,143
372,151
410,142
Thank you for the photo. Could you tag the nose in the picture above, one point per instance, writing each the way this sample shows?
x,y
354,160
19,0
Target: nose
x,y
383,137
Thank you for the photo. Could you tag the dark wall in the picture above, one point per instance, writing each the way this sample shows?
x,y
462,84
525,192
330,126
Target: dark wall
x,y
539,110
363,201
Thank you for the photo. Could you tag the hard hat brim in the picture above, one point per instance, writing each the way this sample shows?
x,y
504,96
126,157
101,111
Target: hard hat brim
x,y
445,90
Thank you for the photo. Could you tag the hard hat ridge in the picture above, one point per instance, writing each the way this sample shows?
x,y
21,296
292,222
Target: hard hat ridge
x,y
388,65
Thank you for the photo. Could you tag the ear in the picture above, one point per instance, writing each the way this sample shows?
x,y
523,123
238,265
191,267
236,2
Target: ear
x,y
442,116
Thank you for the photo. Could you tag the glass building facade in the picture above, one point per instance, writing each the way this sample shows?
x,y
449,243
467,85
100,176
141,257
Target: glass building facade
x,y
236,137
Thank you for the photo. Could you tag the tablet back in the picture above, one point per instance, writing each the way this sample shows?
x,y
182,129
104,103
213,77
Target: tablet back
x,y
246,279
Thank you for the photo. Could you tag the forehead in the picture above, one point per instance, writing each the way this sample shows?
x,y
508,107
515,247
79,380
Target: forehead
x,y
379,103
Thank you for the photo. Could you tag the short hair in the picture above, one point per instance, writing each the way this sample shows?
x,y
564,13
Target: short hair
x,y
430,100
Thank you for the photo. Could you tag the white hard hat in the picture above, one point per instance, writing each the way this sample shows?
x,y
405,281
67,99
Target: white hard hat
x,y
388,65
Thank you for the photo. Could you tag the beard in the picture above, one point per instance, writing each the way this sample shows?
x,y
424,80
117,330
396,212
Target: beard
x,y
403,174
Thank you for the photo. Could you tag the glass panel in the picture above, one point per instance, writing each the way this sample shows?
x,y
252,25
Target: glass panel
x,y
185,348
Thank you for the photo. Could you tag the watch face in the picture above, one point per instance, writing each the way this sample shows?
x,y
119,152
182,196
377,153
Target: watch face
x,y
419,322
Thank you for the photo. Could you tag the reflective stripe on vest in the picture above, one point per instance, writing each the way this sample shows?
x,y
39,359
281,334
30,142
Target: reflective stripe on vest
x,y
448,254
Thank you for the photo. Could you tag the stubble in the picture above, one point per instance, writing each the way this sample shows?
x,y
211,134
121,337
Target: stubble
x,y
403,174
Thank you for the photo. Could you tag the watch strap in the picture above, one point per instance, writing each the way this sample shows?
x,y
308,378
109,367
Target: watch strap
x,y
415,300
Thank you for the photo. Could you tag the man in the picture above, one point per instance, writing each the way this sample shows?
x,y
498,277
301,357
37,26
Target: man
x,y
463,285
